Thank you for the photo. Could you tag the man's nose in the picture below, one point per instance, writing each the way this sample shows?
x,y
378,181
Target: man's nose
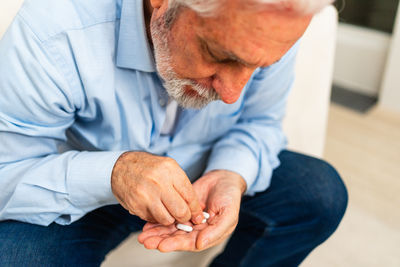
x,y
229,82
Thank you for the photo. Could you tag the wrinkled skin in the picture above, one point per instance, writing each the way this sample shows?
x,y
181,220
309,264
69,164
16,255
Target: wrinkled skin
x,y
154,188
220,192
202,49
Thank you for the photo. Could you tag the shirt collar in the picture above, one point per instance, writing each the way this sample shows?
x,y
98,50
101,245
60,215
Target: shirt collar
x,y
133,49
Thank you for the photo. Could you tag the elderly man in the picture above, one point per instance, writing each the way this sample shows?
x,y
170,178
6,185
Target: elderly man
x,y
125,115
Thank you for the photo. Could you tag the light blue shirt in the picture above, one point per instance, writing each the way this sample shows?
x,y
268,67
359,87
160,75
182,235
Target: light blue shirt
x,y
78,87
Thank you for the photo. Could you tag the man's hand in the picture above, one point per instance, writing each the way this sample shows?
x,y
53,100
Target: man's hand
x,y
155,188
220,192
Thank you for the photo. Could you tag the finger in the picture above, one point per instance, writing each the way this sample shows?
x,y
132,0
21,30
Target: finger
x,y
201,192
156,231
183,241
161,214
149,225
152,242
219,227
176,206
139,210
185,189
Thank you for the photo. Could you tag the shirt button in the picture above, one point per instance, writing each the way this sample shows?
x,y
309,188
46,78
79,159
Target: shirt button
x,y
162,102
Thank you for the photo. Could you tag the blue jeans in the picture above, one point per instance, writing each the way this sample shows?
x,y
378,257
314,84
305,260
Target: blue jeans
x,y
278,227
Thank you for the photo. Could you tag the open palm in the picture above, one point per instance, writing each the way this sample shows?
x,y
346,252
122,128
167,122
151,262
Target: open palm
x,y
220,195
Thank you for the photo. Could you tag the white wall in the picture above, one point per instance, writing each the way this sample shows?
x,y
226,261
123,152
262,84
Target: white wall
x,y
390,91
307,110
8,9
360,60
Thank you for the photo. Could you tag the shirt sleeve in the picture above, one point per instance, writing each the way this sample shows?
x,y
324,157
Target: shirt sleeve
x,y
251,146
38,183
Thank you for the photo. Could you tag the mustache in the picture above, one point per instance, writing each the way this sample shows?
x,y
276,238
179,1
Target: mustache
x,y
174,85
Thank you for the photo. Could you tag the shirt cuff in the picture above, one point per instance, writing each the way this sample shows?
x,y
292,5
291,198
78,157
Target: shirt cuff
x,y
89,179
241,161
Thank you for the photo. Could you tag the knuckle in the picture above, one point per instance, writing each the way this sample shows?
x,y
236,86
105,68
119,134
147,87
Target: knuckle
x,y
190,198
168,163
167,221
140,215
183,214
136,208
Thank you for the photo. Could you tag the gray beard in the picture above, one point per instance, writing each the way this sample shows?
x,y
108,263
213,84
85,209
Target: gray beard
x,y
175,86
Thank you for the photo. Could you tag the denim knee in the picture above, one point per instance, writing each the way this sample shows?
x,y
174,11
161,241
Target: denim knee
x,y
330,198
24,244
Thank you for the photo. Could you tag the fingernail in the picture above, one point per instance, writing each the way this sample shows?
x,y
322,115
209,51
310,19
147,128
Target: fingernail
x,y
198,219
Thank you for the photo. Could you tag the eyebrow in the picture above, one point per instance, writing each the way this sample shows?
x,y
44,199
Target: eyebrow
x,y
229,54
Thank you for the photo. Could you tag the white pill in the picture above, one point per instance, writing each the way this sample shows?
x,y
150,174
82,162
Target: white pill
x,y
184,227
204,221
206,215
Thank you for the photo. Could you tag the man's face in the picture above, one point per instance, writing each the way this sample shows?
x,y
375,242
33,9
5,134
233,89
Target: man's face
x,y
203,59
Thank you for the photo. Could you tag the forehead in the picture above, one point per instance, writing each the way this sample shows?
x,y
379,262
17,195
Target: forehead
x,y
260,26
248,30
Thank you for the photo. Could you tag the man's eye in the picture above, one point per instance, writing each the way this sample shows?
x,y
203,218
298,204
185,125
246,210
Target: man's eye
x,y
211,54
214,57
220,60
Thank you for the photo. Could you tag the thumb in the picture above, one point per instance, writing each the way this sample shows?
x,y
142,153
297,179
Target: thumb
x,y
185,189
196,209
219,228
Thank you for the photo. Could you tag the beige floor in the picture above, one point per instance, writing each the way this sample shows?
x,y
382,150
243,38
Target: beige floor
x,y
366,151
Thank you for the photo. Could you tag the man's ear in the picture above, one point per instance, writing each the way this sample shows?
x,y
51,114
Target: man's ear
x,y
156,4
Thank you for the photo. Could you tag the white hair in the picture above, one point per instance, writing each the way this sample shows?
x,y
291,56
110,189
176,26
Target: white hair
x,y
209,7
